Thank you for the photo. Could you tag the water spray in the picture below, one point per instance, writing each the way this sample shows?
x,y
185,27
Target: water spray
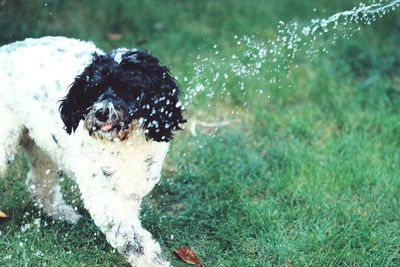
x,y
279,52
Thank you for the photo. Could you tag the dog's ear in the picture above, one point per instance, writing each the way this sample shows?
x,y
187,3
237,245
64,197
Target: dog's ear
x,y
70,106
166,112
82,92
161,110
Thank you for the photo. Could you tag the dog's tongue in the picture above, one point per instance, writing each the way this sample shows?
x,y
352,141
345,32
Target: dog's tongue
x,y
106,127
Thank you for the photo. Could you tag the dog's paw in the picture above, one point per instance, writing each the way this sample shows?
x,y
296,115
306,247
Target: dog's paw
x,y
64,213
142,261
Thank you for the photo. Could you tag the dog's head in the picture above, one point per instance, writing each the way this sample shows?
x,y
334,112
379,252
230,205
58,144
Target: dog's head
x,y
121,93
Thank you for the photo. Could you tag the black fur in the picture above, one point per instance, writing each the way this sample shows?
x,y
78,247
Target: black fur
x,y
139,85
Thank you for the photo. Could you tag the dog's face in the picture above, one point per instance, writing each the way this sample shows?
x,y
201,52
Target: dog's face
x,y
121,94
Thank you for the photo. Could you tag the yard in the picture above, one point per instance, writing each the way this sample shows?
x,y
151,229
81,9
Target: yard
x,y
294,162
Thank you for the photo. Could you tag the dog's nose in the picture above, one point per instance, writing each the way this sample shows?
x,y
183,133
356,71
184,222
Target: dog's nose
x,y
102,114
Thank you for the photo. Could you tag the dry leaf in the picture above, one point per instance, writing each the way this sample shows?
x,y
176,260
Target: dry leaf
x,y
3,215
114,36
188,256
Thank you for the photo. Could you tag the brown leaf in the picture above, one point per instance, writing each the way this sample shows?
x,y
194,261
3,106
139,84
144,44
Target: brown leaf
x,y
115,36
188,256
3,215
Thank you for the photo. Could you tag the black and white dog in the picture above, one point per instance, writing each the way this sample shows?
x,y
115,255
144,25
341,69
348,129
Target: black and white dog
x,y
129,108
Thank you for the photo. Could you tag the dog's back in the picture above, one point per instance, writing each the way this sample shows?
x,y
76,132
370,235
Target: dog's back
x,y
35,74
29,67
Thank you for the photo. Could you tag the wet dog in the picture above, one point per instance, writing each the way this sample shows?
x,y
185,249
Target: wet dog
x,y
104,119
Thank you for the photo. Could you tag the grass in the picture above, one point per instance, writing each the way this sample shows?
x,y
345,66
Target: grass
x,y
307,176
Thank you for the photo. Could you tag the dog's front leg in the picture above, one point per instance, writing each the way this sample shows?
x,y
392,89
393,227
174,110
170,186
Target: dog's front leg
x,y
117,215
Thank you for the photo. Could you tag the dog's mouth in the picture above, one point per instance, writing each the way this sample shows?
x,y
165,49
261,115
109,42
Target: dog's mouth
x,y
107,126
108,121
92,124
110,130
104,118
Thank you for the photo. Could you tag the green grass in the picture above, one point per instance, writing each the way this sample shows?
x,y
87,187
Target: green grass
x,y
309,175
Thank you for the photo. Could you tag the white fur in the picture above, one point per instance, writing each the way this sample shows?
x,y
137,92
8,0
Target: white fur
x,y
113,177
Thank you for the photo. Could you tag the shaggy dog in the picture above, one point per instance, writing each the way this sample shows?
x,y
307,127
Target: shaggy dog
x,y
104,119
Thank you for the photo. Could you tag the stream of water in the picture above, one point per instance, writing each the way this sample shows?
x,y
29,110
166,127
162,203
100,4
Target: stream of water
x,y
279,52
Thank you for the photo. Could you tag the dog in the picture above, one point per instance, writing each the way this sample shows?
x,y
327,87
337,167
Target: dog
x,y
105,119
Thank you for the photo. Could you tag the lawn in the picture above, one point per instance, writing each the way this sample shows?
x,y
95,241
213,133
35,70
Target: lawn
x,y
303,168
